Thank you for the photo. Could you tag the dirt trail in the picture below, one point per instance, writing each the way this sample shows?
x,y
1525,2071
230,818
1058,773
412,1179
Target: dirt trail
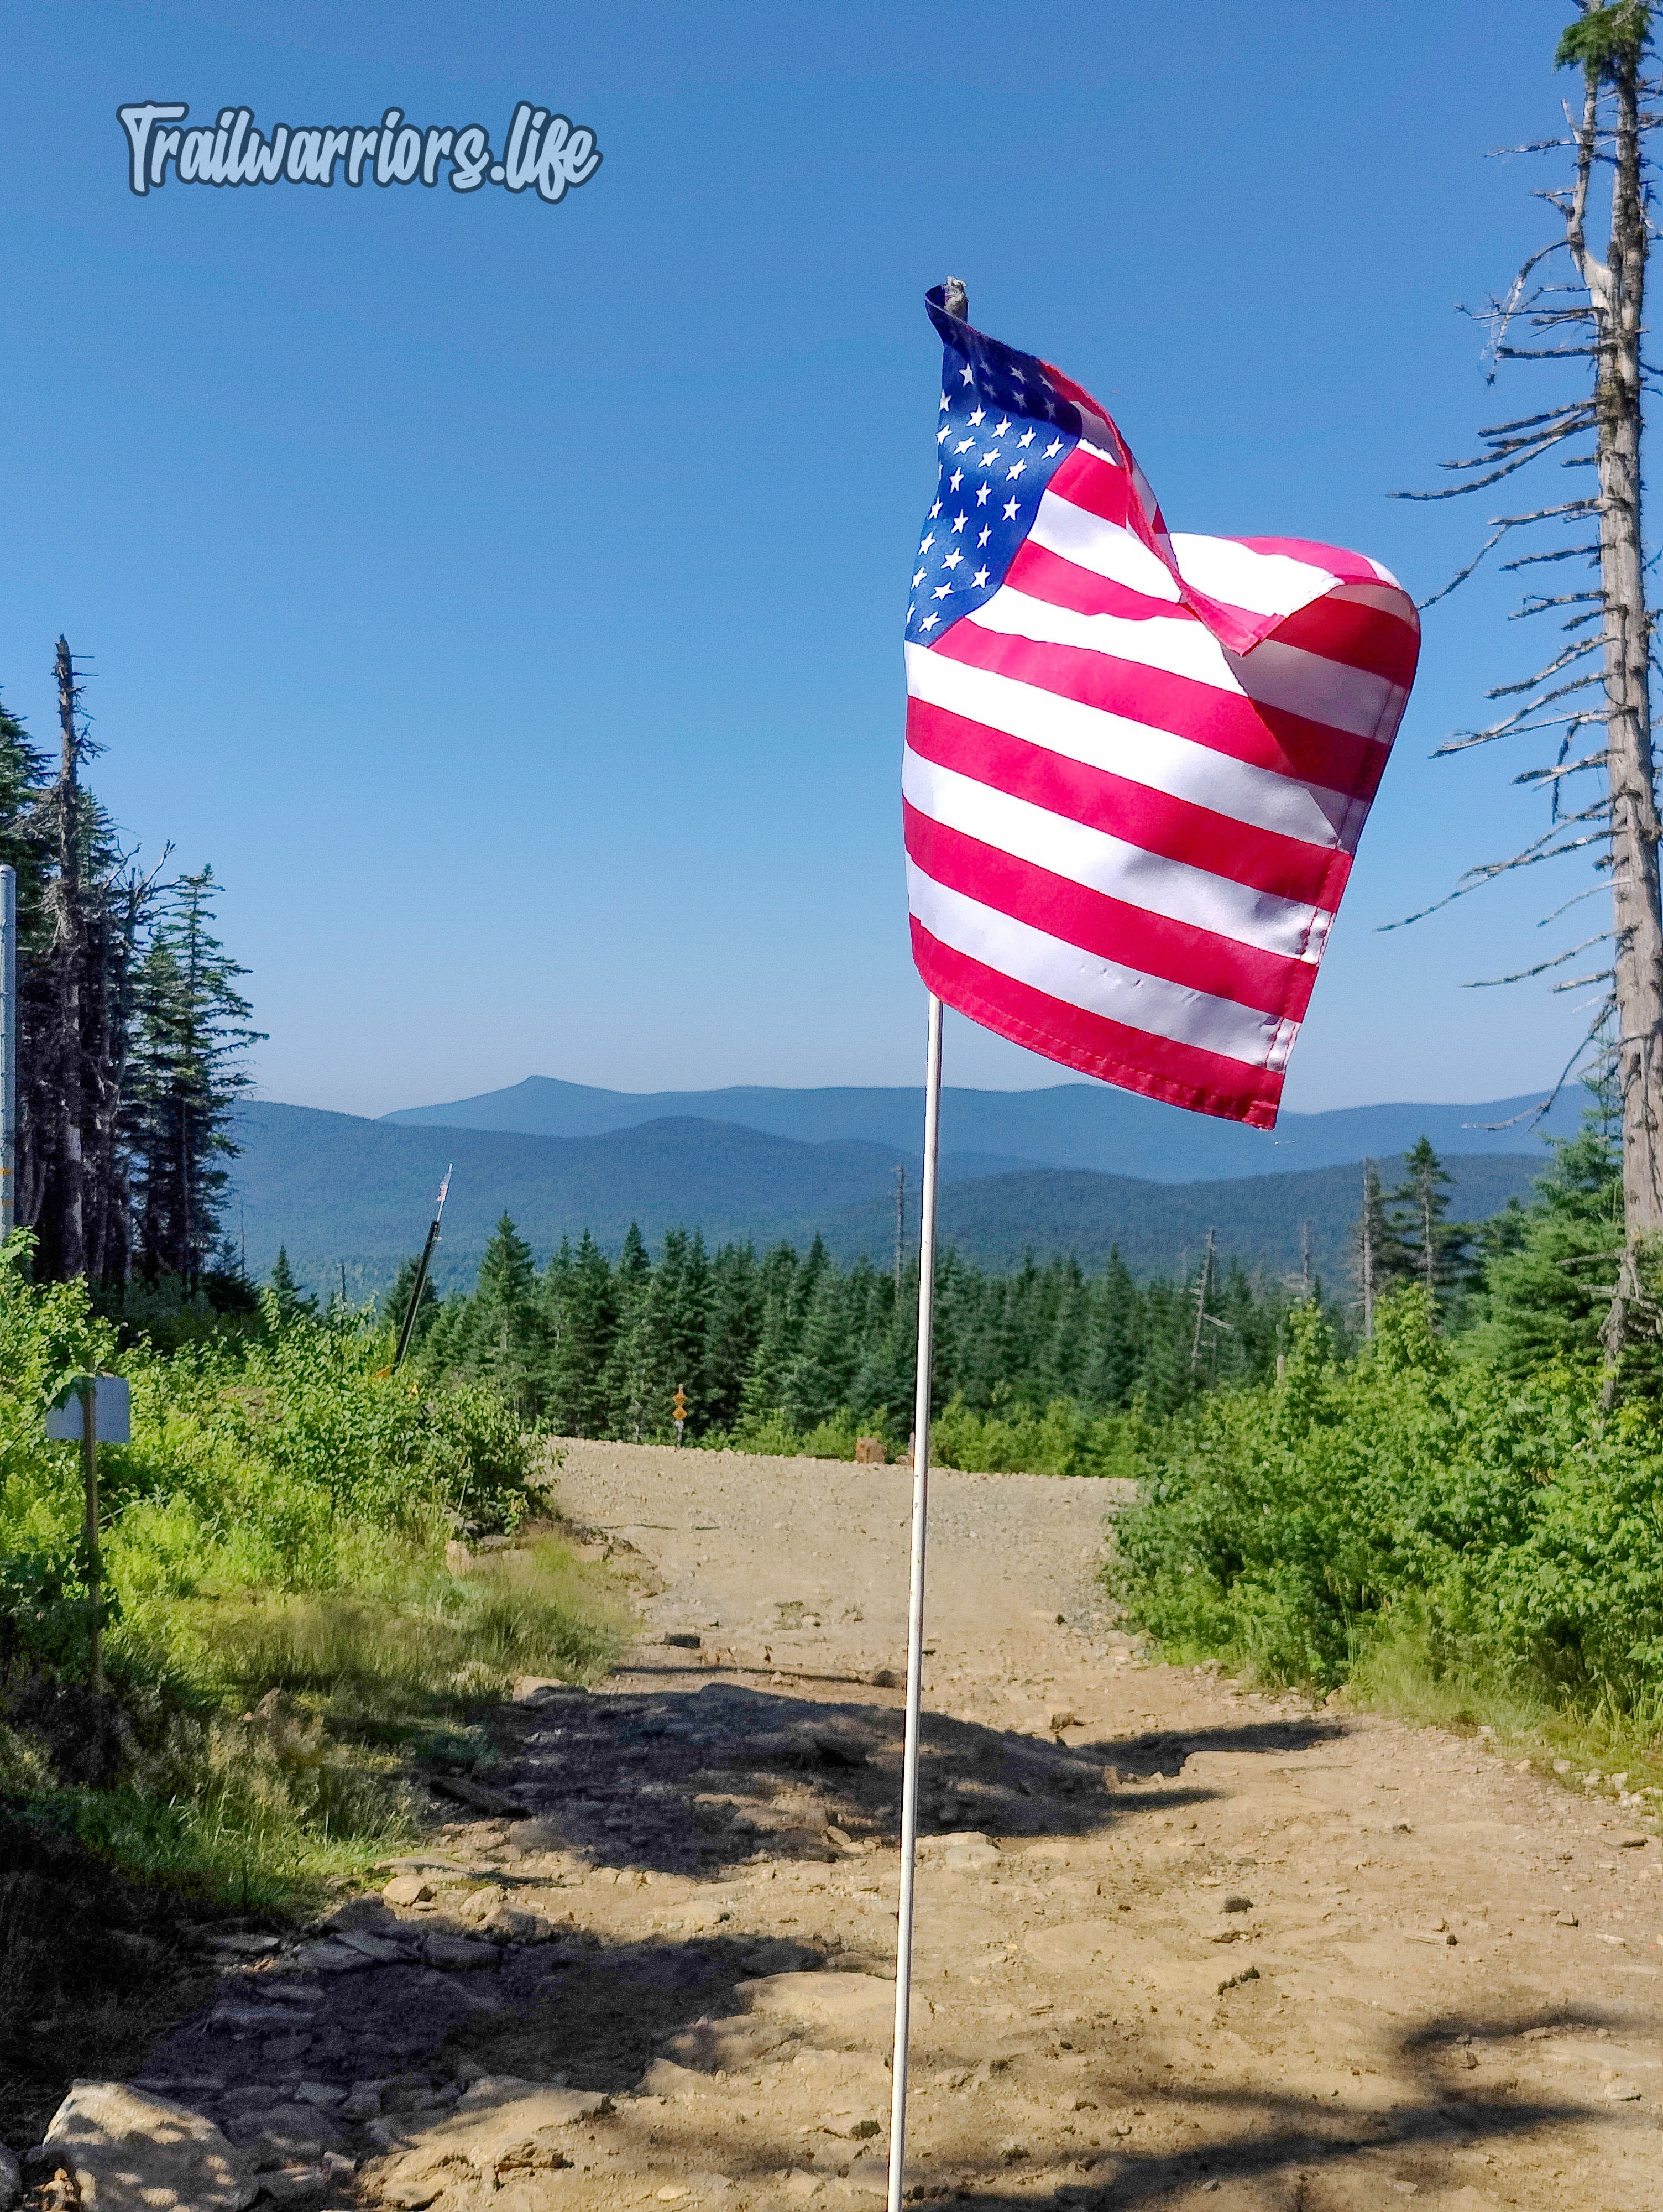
x,y
1177,1943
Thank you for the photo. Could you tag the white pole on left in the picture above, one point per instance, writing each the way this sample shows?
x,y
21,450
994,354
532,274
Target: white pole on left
x,y
927,1303
7,1052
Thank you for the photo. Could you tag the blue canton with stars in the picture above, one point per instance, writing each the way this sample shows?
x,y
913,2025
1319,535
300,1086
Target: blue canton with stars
x,y
1004,431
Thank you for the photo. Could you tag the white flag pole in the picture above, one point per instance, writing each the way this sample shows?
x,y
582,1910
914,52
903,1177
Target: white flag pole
x,y
927,1301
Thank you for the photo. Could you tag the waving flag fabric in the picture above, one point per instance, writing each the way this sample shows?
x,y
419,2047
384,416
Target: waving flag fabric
x,y
1137,763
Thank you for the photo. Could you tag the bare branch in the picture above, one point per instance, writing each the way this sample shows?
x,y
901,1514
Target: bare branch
x,y
1574,767
1492,982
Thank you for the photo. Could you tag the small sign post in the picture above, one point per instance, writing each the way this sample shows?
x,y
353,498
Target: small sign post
x,y
680,1414
91,1407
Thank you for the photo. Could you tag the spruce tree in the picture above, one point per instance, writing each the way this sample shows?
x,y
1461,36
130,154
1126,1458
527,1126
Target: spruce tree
x,y
510,1327
1434,1249
187,1075
288,1299
576,1396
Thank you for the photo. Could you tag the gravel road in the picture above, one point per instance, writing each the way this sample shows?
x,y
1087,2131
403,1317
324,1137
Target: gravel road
x,y
1180,1943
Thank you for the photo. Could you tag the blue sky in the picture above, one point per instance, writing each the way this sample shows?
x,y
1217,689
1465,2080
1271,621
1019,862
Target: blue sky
x,y
506,598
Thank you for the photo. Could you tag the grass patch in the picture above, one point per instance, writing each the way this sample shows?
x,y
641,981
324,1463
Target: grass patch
x,y
262,1752
1602,1750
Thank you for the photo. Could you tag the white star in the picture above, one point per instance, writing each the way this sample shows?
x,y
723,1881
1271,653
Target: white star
x,y
1026,439
1001,427
929,622
943,403
917,579
981,495
953,559
909,614
935,510
1010,510
978,580
942,434
987,533
955,479
968,374
1015,471
991,455
928,543
1016,376
1054,449
964,445
979,415
942,591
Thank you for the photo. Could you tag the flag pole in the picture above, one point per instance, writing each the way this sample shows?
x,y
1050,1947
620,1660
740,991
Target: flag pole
x,y
927,1301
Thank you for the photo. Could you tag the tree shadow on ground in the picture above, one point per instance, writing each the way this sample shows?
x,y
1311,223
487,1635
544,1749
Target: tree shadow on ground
x,y
690,1780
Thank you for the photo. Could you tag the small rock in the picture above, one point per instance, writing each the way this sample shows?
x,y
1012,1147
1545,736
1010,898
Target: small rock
x,y
330,1958
682,1639
1566,1919
460,1951
1236,1904
1620,2092
363,2101
800,2183
408,1889
883,1678
296,2184
1631,1839
376,1949
327,2095
500,2122
480,1904
1066,1718
288,2135
11,2179
133,2153
256,2019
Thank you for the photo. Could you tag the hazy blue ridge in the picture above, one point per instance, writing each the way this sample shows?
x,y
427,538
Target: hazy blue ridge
x,y
339,1191
1066,1125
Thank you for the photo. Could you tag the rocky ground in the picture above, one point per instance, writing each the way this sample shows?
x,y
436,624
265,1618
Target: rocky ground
x,y
1177,1939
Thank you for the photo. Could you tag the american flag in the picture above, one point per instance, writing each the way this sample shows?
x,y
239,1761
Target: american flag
x,y
1137,763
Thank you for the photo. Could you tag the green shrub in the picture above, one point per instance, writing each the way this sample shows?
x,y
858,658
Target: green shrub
x,y
1504,1521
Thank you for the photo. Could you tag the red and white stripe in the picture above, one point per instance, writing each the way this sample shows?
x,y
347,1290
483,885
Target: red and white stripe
x,y
1134,781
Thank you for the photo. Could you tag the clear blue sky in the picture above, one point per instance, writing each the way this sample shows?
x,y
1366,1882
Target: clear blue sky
x,y
506,598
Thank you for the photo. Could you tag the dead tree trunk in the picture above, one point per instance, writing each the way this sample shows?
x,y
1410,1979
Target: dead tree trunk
x,y
1617,290
69,953
1598,317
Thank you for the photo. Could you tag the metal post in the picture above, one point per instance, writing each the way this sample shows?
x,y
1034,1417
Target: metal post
x,y
927,1300
7,1052
95,1563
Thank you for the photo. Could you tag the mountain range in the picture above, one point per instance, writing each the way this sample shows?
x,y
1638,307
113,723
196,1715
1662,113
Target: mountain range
x,y
1064,1125
1022,1171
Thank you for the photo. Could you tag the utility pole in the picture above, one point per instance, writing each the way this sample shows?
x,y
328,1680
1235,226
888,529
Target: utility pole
x,y
899,1222
7,1052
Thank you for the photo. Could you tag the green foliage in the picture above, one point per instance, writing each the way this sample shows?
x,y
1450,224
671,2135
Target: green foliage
x,y
277,1527
1294,1526
788,1351
1605,41
185,1077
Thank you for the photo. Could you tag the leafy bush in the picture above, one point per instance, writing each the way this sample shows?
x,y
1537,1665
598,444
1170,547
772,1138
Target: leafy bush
x,y
1292,1525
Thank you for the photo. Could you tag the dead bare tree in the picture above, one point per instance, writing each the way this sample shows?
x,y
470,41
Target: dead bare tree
x,y
1594,690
